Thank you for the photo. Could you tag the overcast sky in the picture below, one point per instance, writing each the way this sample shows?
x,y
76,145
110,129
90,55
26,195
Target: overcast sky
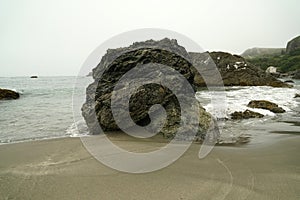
x,y
54,37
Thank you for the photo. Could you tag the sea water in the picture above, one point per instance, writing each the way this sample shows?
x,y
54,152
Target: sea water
x,y
259,129
49,107
44,109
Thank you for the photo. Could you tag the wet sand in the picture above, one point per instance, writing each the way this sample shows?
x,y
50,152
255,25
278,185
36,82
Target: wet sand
x,y
63,169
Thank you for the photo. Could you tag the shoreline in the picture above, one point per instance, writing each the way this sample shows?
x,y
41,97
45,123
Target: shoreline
x,y
62,168
270,137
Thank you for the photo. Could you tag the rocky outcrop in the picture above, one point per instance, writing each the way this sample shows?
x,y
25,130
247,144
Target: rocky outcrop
x,y
234,70
8,94
117,62
247,114
293,45
273,107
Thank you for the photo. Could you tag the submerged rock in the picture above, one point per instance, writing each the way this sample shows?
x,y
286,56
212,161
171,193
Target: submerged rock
x,y
234,69
238,140
8,94
117,62
247,114
273,107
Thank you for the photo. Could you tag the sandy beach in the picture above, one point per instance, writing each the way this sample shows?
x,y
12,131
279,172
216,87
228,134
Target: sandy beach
x,y
63,169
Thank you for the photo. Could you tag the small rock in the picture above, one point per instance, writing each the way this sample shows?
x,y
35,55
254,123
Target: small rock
x,y
243,139
273,107
247,114
297,95
8,94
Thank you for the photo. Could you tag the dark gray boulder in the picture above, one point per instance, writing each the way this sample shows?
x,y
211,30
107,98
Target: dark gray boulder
x,y
115,63
8,94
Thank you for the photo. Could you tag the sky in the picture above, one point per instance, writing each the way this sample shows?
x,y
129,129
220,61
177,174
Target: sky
x,y
54,38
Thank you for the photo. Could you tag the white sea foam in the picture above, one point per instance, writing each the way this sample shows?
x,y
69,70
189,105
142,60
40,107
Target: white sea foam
x,y
77,129
237,99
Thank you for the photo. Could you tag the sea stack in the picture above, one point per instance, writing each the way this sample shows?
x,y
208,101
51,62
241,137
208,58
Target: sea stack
x,y
117,62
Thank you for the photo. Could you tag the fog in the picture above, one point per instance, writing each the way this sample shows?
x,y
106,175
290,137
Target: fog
x,y
52,38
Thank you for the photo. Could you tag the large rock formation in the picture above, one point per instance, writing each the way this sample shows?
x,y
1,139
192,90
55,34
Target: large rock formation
x,y
117,62
234,69
8,94
293,45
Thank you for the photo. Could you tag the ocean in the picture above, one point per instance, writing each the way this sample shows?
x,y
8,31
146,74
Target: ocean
x,y
49,107
261,130
44,110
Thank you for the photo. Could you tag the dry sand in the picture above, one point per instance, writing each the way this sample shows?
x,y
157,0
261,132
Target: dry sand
x,y
63,169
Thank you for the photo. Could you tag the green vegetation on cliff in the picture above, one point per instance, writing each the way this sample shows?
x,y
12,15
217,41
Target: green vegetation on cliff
x,y
284,62
287,61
